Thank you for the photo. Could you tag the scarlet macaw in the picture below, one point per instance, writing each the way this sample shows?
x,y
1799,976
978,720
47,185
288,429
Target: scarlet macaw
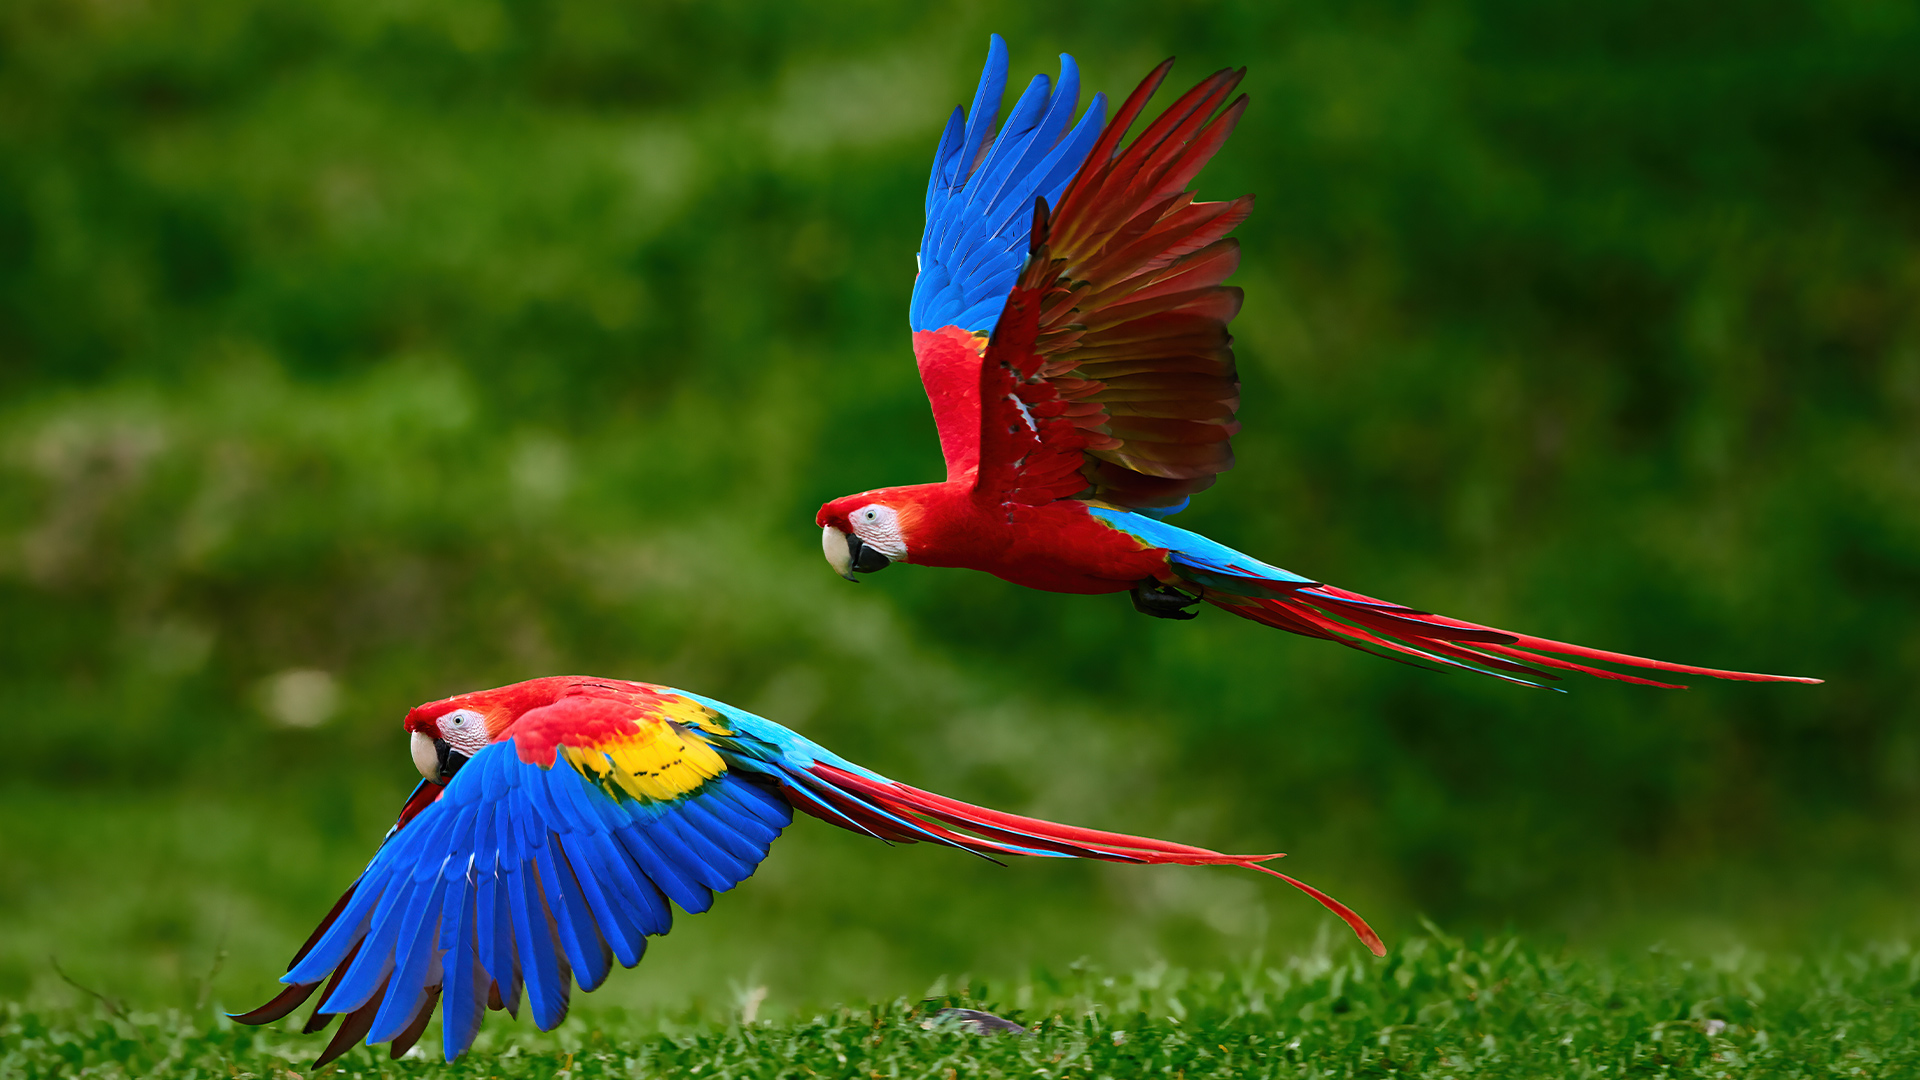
x,y
1104,396
556,819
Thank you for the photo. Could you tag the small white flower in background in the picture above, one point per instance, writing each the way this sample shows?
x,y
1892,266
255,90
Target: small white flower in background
x,y
1715,1027
300,697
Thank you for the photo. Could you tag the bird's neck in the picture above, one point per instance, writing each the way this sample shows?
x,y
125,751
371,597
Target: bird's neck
x,y
945,524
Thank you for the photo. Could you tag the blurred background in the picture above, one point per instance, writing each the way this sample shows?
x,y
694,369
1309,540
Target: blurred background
x,y
356,354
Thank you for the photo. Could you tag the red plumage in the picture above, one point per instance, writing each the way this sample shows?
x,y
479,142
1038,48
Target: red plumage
x,y
1108,386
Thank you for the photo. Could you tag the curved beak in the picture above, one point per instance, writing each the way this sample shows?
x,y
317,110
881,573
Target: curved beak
x,y
434,758
849,555
839,552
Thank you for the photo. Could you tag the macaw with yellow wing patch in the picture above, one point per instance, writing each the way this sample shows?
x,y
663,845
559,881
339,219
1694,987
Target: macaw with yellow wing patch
x,y
560,818
1070,325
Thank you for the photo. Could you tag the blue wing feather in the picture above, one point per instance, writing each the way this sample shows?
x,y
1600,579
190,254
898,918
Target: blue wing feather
x,y
568,796
348,928
1010,146
986,108
494,935
981,189
459,897
615,925
721,825
464,1002
573,927
407,988
370,966
672,866
1020,176
758,816
1066,159
648,904
711,866
524,877
950,140
461,851
539,964
486,839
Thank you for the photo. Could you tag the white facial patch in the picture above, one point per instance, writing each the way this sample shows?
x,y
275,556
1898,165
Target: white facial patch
x,y
878,527
465,730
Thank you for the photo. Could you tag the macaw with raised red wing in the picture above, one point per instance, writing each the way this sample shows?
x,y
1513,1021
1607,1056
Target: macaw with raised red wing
x,y
1070,325
557,820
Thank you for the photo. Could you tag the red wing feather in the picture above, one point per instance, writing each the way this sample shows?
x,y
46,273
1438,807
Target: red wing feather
x,y
1030,450
1123,282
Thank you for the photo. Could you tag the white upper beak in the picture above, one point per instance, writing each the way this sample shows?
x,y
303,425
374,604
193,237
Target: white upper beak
x,y
425,757
839,556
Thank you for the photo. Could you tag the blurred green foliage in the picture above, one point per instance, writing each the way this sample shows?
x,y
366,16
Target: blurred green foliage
x,y
356,354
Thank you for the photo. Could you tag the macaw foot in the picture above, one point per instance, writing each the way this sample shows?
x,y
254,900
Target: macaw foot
x,y
1150,597
972,1021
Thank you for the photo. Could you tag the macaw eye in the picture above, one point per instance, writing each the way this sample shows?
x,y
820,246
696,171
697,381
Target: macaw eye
x,y
458,721
871,515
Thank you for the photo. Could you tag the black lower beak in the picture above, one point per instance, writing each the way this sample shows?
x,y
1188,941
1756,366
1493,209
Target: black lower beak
x,y
450,759
863,559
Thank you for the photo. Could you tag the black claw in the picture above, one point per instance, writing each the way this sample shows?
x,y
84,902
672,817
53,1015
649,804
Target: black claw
x,y
1150,597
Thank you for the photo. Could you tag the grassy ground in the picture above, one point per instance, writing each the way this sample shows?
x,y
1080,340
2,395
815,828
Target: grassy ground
x,y
1436,1007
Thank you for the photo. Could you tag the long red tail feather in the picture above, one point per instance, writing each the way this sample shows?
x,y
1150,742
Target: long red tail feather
x,y
1002,833
1374,625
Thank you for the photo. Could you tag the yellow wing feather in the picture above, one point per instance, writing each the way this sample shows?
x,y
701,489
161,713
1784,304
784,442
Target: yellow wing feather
x,y
657,759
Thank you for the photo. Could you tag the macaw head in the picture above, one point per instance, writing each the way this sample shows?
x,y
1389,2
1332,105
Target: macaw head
x,y
867,532
446,733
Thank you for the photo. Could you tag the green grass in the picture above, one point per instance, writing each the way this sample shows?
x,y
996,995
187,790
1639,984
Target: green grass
x,y
1436,1007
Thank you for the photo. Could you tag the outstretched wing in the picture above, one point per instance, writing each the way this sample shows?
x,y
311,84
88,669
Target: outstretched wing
x,y
1110,374
546,857
979,201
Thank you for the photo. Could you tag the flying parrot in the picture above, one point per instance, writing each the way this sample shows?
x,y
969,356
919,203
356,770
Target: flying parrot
x,y
557,819
1070,328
